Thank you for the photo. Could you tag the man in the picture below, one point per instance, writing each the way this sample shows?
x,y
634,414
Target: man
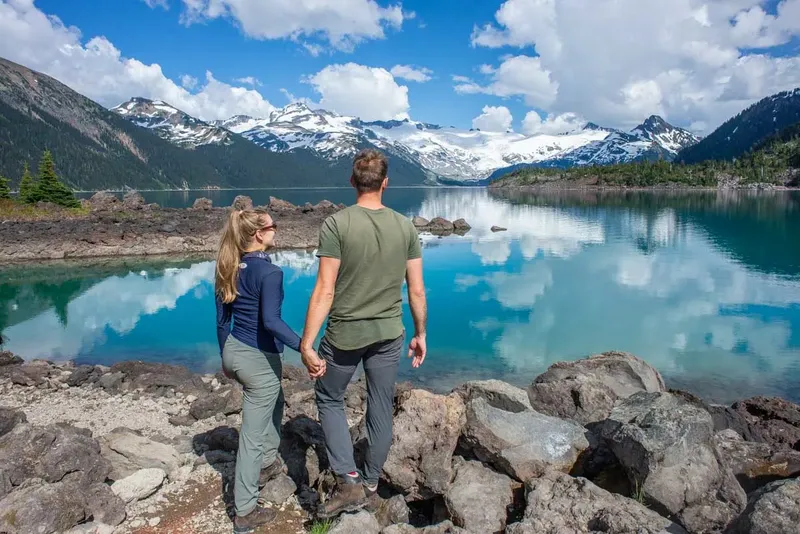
x,y
365,251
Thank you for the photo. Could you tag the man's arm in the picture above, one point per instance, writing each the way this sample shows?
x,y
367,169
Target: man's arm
x,y
419,310
318,308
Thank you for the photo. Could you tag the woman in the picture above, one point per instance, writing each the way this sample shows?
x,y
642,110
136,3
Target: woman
x,y
249,291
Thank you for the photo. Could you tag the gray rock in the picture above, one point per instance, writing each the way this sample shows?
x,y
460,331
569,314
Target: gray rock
x,y
360,523
128,452
222,438
522,444
42,508
9,418
182,420
52,453
81,375
498,229
27,374
664,442
440,226
103,201
426,431
242,202
587,390
278,205
203,204
8,358
160,379
103,505
774,509
497,393
755,464
210,404
278,490
461,226
446,527
420,223
478,498
392,511
771,420
92,528
559,504
139,485
133,200
111,381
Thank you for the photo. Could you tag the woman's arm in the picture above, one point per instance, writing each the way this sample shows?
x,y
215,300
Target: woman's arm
x,y
224,313
271,302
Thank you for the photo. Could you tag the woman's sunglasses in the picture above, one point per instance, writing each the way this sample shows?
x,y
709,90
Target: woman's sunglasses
x,y
273,227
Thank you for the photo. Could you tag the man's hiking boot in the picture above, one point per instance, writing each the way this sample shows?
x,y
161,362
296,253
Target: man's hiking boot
x,y
349,495
258,517
268,473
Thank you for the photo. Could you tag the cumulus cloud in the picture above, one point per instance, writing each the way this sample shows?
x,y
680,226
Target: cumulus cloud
x,y
553,124
340,23
412,74
616,62
517,75
98,69
157,3
249,80
493,119
370,93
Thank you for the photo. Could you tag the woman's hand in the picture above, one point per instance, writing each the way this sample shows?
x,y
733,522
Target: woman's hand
x,y
316,366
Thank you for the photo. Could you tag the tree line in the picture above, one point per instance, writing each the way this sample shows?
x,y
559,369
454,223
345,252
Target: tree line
x,y
44,187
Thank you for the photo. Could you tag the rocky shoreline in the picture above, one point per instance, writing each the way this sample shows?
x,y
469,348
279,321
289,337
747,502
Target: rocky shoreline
x,y
595,445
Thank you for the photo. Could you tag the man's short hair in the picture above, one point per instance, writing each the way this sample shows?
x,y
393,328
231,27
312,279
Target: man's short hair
x,y
369,170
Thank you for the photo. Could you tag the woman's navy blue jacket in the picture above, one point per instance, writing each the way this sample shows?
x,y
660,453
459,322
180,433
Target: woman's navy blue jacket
x,y
256,312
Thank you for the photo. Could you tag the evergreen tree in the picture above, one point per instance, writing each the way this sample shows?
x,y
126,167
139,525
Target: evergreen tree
x,y
5,191
27,186
50,188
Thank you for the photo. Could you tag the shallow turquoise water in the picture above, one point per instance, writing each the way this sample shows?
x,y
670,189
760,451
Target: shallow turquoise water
x,y
705,286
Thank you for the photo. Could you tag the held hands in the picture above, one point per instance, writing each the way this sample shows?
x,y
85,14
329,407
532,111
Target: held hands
x,y
316,366
417,350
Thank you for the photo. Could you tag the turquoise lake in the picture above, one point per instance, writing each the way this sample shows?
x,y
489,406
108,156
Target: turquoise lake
x,y
703,285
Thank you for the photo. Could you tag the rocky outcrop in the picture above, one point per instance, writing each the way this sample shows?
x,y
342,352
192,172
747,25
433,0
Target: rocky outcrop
x,y
133,200
525,444
157,379
9,418
478,498
755,464
278,205
103,201
665,444
128,452
587,390
41,507
774,509
497,393
242,202
392,511
559,504
7,358
203,204
426,431
770,420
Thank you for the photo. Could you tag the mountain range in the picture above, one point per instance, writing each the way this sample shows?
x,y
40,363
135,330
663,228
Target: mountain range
x,y
146,143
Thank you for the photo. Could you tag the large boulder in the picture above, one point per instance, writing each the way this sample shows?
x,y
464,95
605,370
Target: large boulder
x,y
479,498
133,200
278,490
360,523
755,464
426,431
242,202
278,205
33,373
445,527
202,204
225,400
104,506
774,509
523,444
461,226
42,508
9,418
587,390
421,223
9,358
52,453
440,226
103,201
497,393
139,485
664,442
392,511
770,420
129,452
84,374
561,504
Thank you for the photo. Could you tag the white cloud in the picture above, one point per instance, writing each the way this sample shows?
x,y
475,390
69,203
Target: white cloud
x,y
98,69
461,79
616,62
518,75
341,23
552,124
157,3
367,92
249,80
412,74
493,119
188,82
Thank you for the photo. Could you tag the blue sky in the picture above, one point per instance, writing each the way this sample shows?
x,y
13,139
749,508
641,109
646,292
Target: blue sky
x,y
537,66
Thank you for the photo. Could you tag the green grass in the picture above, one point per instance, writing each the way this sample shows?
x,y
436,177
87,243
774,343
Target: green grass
x,y
321,527
18,211
638,493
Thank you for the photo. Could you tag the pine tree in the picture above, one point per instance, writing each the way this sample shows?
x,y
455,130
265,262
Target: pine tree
x,y
5,191
27,186
50,188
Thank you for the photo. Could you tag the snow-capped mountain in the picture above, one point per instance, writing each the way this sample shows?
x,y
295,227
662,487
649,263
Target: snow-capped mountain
x,y
451,154
171,123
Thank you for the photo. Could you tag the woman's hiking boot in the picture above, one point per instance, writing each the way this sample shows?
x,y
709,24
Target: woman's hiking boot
x,y
268,473
258,517
349,495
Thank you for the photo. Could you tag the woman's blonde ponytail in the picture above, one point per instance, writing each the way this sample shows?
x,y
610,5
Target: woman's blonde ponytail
x,y
236,238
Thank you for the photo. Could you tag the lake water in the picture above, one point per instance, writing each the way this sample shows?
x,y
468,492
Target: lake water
x,y
704,286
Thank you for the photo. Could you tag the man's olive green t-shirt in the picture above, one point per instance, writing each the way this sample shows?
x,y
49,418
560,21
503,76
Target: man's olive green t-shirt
x,y
373,247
